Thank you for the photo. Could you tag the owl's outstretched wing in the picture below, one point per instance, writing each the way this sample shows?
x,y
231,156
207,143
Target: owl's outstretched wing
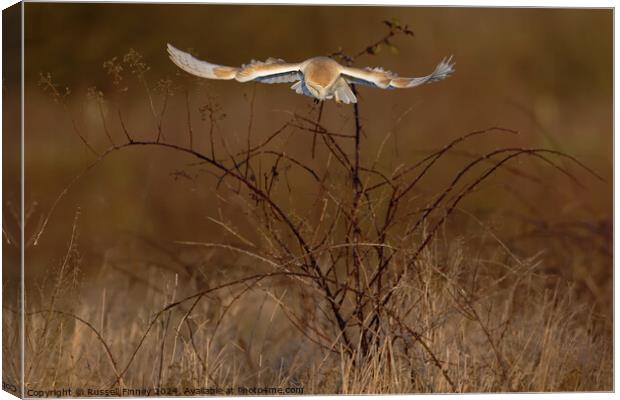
x,y
270,71
379,78
197,67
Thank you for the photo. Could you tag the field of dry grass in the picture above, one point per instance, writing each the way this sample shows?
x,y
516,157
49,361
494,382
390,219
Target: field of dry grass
x,y
507,327
191,241
464,321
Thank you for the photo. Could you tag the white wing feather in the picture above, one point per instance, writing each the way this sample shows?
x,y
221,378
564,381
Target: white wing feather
x,y
379,78
194,66
270,71
442,71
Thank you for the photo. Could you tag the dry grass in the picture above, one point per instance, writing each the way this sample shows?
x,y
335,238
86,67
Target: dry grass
x,y
360,284
492,324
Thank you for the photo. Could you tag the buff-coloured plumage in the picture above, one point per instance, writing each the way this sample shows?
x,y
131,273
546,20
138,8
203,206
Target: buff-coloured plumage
x,y
319,77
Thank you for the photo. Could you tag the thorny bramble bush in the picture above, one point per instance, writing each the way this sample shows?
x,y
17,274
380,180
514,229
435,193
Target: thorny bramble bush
x,y
363,277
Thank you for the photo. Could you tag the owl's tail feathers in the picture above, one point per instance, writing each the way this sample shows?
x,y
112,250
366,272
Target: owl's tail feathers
x,y
194,66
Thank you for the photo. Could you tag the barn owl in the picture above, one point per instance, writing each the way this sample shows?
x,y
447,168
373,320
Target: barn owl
x,y
319,77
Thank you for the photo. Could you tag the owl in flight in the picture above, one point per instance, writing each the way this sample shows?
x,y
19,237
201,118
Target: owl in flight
x,y
318,77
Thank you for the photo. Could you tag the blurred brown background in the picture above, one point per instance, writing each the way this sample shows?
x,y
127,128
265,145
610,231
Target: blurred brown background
x,y
544,72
